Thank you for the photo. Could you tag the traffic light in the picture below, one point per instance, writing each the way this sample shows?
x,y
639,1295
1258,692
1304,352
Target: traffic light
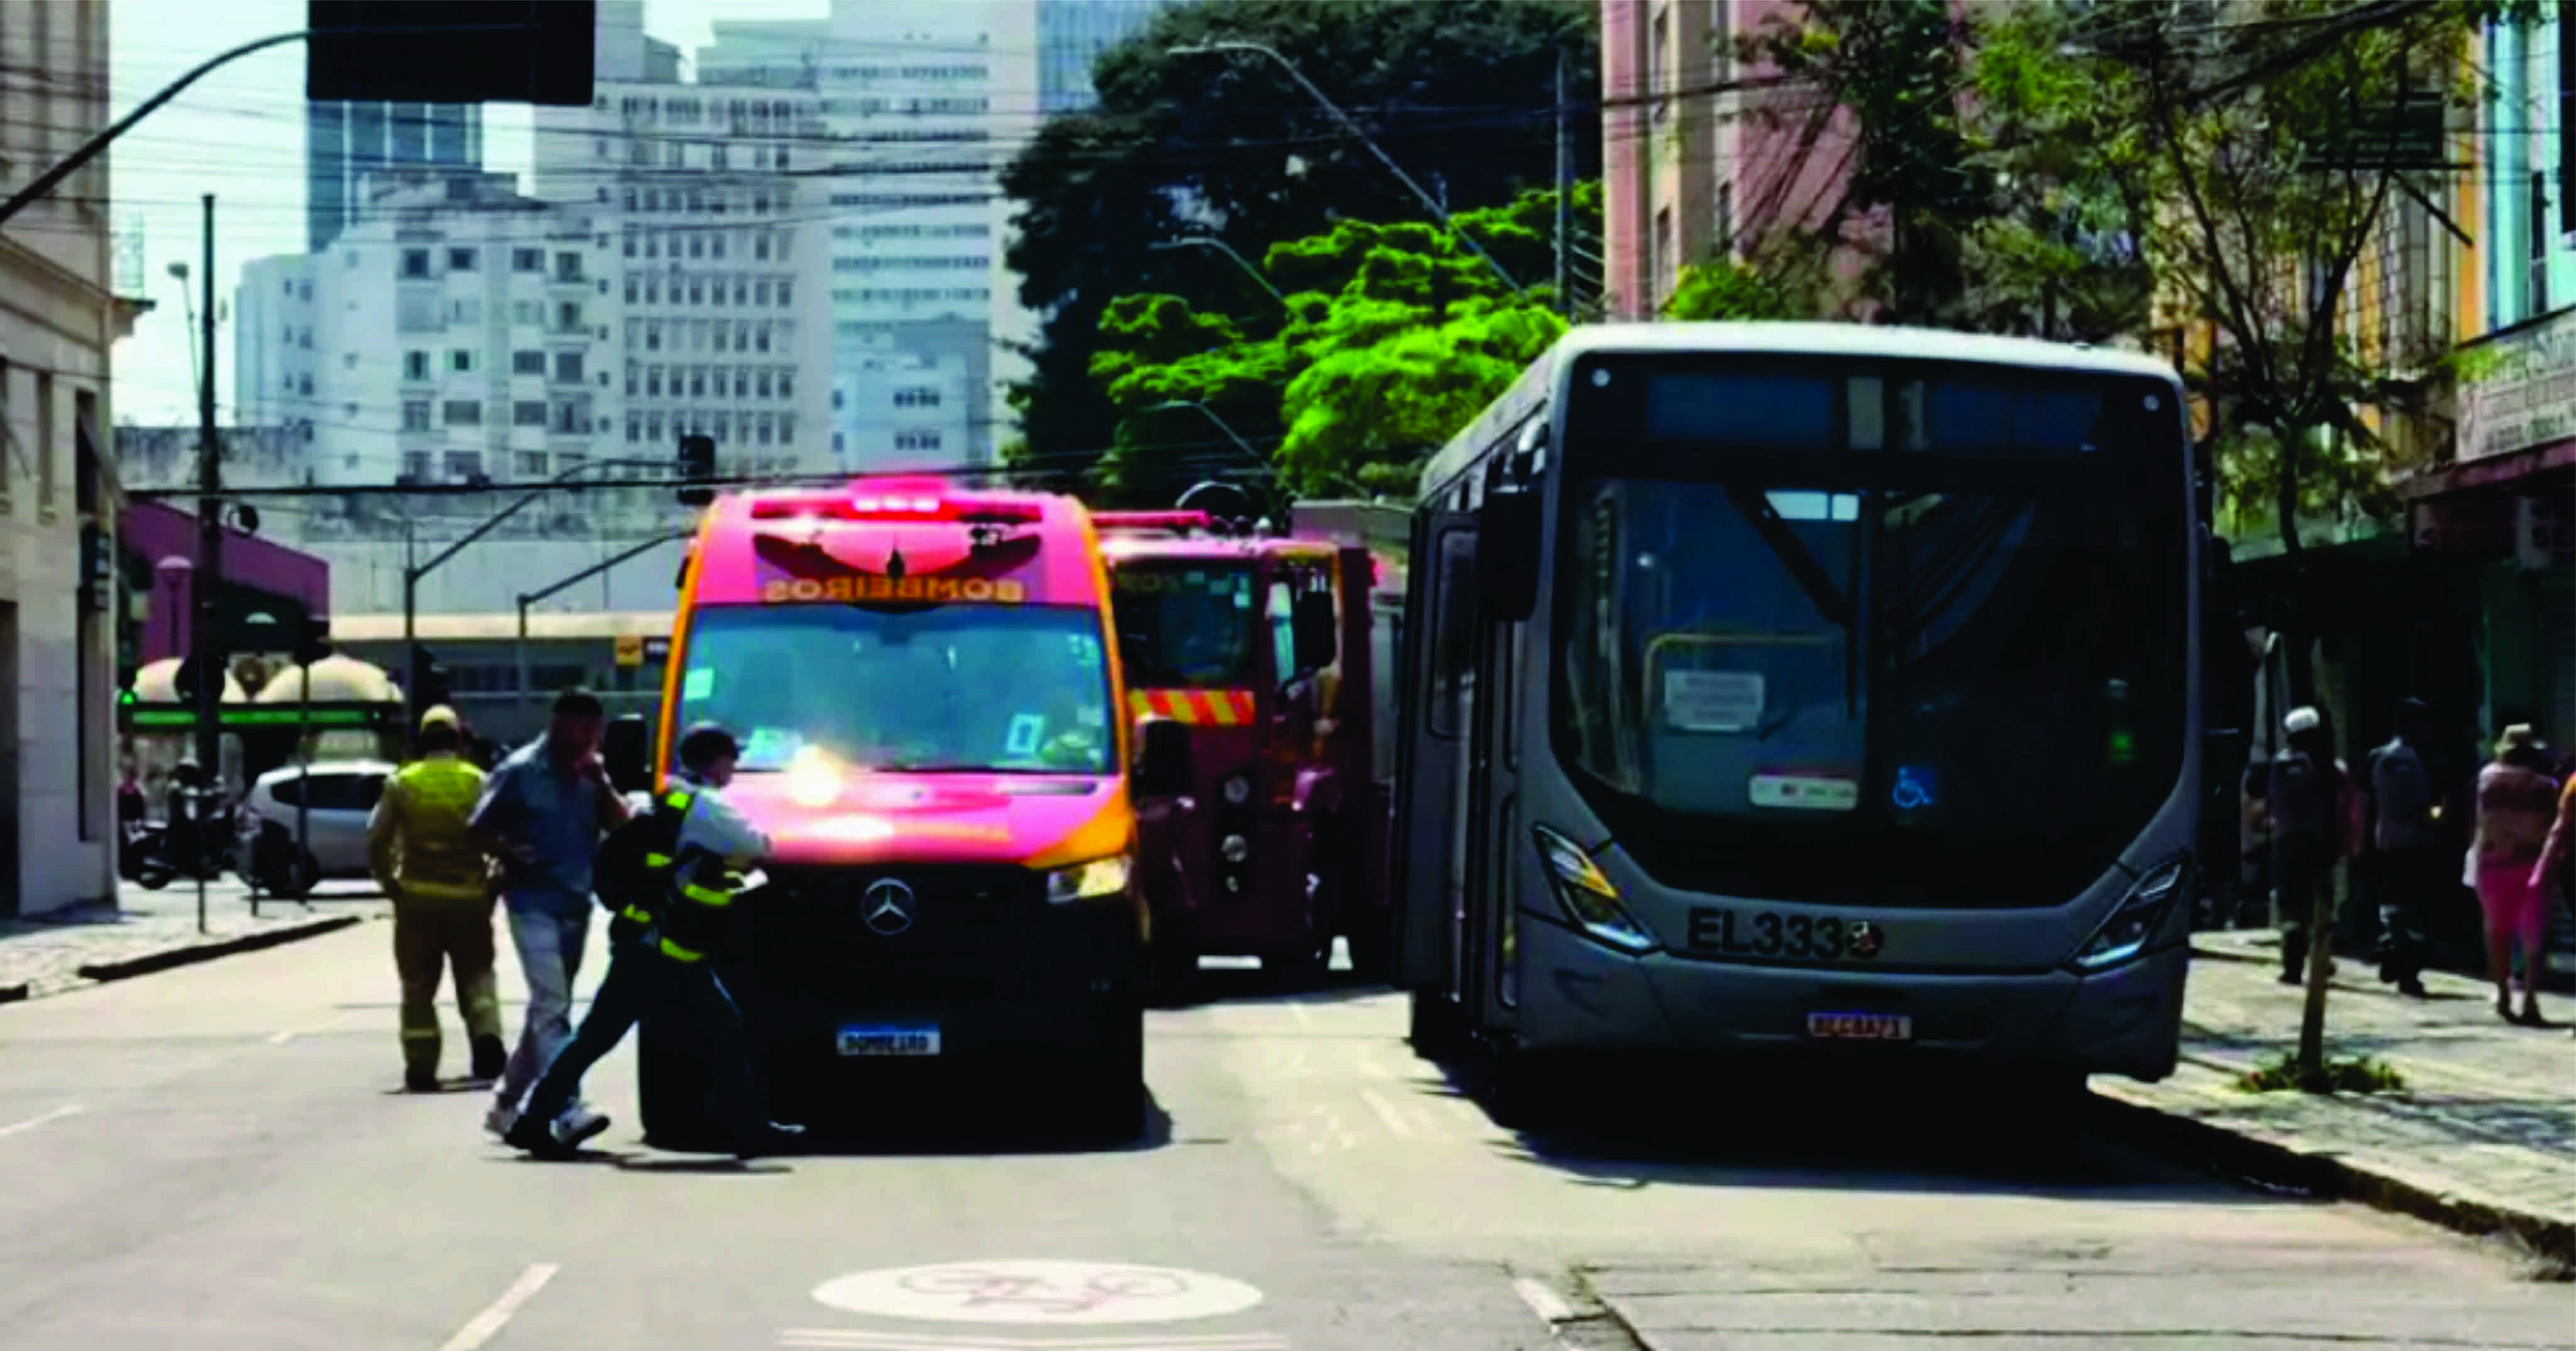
x,y
314,643
698,464
451,51
428,682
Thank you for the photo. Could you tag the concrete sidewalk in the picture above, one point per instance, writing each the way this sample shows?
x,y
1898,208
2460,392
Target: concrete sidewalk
x,y
46,954
2482,1137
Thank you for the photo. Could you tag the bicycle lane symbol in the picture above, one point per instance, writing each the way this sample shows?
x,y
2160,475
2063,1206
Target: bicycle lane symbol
x,y
1038,1291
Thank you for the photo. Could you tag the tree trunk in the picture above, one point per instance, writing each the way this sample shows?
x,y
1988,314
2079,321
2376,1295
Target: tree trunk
x,y
2302,690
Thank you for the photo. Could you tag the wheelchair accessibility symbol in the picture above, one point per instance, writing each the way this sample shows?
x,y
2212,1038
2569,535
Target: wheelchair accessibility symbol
x,y
1913,789
1038,1291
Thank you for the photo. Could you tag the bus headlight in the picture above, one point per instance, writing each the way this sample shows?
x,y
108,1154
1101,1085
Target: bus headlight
x,y
1586,896
2133,924
1088,881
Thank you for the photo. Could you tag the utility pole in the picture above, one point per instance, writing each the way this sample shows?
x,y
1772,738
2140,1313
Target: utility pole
x,y
1564,183
210,572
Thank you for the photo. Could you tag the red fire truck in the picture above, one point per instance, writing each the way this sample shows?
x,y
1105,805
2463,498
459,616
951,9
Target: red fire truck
x,y
1268,650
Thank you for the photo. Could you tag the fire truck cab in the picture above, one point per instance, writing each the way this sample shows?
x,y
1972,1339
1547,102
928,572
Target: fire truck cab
x,y
1261,647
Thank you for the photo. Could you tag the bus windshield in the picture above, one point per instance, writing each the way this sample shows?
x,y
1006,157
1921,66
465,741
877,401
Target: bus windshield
x,y
1905,680
1188,625
970,689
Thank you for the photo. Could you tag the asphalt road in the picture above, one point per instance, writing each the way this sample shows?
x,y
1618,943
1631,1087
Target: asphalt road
x,y
218,1157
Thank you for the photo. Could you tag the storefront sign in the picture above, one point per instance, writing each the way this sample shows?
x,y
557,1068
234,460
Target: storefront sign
x,y
2544,533
2528,400
2471,523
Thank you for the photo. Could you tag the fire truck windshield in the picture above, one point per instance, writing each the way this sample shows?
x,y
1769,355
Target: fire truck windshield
x,y
1188,624
964,689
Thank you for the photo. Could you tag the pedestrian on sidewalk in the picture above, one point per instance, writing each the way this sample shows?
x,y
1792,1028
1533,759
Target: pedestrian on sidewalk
x,y
2557,866
667,879
2306,793
422,853
542,815
2408,867
2517,803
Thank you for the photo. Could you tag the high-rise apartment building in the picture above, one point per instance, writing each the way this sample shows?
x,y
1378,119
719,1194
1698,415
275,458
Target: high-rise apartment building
x,y
1071,35
344,143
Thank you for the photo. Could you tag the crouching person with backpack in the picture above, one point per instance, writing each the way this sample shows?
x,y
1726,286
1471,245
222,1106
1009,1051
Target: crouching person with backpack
x,y
666,878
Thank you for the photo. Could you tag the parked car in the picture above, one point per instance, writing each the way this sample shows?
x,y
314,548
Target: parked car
x,y
337,796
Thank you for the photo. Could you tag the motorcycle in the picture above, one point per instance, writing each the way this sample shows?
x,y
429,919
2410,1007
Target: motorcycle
x,y
216,853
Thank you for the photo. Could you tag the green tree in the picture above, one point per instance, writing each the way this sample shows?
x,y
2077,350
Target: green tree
x,y
1978,186
1395,337
1462,94
2274,138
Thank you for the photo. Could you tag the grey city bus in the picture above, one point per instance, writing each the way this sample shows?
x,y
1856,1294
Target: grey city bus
x,y
1817,689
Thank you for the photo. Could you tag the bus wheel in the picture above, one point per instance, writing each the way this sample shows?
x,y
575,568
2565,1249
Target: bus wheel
x,y
1526,1090
1437,1029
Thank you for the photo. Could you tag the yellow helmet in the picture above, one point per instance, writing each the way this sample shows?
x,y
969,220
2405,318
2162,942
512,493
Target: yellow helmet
x,y
442,715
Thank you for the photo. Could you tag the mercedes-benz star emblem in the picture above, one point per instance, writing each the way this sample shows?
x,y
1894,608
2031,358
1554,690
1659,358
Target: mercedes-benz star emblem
x,y
887,906
1866,940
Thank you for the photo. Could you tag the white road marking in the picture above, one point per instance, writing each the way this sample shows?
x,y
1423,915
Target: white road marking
x,y
34,1121
1038,1291
488,1324
1386,1112
281,1038
1550,1307
906,1341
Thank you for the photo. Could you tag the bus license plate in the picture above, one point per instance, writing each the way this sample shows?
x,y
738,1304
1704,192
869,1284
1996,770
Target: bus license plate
x,y
1861,1026
890,1041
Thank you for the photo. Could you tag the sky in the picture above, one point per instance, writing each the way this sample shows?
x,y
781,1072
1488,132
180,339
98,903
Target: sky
x,y
239,134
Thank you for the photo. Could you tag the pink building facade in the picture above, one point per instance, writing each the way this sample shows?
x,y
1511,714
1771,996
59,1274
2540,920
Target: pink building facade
x,y
1699,159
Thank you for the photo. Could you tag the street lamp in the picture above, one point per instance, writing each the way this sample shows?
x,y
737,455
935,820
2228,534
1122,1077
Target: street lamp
x,y
1429,202
1204,242
413,572
1210,414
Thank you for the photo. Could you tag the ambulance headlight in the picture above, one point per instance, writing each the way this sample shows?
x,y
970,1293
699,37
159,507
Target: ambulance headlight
x,y
1091,881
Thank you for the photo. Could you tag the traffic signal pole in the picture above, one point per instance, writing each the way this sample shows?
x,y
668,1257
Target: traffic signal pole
x,y
207,643
413,572
529,598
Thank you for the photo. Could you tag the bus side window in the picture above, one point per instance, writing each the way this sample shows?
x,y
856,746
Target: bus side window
x,y
1453,632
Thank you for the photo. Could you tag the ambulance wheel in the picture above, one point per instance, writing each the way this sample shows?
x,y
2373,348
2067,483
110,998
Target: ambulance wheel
x,y
674,1096
1437,1028
1116,1112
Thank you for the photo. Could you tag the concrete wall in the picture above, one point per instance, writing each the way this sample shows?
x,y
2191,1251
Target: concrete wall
x,y
57,322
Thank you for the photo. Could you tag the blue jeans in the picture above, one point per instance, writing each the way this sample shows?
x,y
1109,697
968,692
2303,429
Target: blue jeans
x,y
549,937
681,999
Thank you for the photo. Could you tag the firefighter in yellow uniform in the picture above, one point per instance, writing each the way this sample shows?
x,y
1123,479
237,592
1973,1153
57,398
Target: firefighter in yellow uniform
x,y
422,853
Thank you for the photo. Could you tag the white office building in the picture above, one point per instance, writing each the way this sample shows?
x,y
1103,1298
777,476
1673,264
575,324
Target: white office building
x,y
715,259
450,335
908,92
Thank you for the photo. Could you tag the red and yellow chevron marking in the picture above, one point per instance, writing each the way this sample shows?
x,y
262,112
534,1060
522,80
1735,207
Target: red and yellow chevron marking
x,y
1196,708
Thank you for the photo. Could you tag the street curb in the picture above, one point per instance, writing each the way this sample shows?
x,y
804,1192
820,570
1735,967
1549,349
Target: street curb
x,y
153,962
2327,1174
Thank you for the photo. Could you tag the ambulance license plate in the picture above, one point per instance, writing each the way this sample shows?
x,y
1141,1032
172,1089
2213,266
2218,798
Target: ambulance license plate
x,y
909,1040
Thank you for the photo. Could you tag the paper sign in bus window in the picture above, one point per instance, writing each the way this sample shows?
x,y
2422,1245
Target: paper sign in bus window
x,y
1026,731
699,683
1712,701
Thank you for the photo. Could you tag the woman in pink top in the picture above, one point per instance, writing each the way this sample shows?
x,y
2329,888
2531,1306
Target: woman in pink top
x,y
2517,804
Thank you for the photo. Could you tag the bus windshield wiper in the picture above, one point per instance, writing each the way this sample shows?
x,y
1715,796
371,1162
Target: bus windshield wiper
x,y
1810,575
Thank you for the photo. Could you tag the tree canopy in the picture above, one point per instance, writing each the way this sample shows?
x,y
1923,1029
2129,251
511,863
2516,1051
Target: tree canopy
x,y
1392,338
1228,146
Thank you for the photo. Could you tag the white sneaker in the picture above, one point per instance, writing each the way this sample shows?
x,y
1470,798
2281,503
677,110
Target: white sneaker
x,y
499,1120
580,1121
